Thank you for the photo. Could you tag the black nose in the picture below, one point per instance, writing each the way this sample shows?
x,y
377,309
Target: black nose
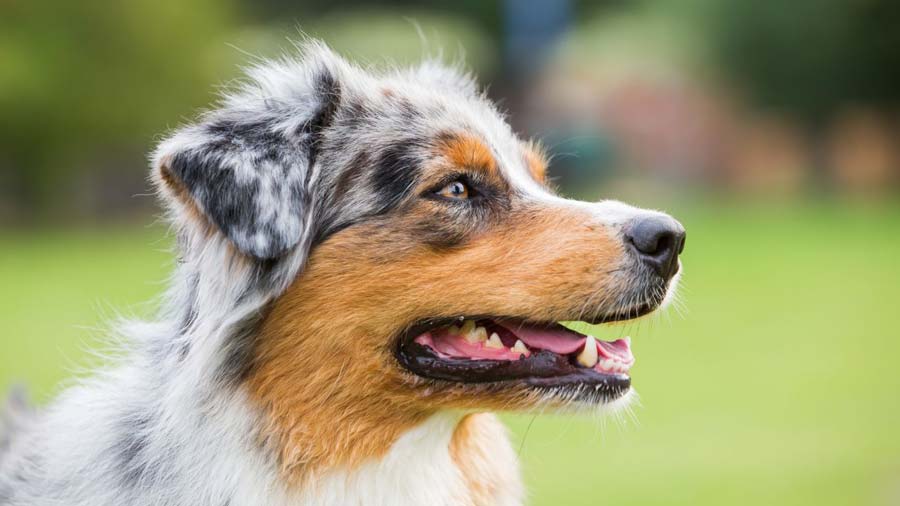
x,y
658,240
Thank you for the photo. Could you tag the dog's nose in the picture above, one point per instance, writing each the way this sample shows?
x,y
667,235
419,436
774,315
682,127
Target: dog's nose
x,y
658,240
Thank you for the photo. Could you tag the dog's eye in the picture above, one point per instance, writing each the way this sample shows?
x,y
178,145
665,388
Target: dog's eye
x,y
455,190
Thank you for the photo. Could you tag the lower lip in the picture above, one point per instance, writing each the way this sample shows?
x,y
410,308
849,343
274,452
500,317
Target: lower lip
x,y
541,369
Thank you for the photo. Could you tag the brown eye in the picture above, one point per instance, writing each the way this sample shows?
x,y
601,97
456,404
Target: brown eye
x,y
455,190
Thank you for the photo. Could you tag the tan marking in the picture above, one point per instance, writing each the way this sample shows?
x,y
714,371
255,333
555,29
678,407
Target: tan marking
x,y
467,151
176,191
536,159
481,451
325,374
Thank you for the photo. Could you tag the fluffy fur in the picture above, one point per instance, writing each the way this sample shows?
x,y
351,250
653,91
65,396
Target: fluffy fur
x,y
304,249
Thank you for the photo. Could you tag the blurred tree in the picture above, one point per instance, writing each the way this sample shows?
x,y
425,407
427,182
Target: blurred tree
x,y
483,13
809,57
94,80
806,56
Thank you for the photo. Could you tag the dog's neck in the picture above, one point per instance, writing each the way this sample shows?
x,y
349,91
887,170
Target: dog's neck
x,y
326,425
447,458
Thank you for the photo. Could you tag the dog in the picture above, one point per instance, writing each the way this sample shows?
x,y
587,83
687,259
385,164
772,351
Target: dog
x,y
370,263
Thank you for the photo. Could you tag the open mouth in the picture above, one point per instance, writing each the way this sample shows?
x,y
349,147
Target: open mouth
x,y
492,350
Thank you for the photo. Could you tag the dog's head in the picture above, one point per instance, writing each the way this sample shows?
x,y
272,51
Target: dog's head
x,y
408,248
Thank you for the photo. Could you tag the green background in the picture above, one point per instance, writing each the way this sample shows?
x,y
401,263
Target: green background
x,y
774,381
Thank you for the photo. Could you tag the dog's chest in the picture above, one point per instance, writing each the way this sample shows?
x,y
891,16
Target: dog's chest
x,y
450,459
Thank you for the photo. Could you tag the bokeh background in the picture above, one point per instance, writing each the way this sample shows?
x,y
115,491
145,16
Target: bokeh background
x,y
769,128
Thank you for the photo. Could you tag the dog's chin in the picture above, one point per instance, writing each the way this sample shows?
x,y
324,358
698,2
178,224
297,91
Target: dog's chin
x,y
490,353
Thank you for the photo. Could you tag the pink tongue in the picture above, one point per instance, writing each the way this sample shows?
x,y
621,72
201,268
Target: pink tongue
x,y
557,340
619,350
564,341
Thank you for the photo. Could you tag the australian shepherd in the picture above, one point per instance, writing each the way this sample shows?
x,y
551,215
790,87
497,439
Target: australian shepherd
x,y
369,264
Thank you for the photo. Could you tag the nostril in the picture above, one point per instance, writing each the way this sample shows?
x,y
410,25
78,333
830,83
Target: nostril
x,y
658,240
663,243
651,235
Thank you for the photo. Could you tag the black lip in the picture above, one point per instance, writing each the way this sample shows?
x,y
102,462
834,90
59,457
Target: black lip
x,y
542,369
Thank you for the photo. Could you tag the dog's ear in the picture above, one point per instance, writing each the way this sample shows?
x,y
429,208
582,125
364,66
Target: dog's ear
x,y
246,168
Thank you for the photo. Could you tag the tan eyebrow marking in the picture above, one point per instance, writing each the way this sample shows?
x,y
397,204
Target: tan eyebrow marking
x,y
536,160
465,150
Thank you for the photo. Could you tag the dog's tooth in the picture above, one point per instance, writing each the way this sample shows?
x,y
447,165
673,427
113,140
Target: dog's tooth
x,y
479,335
520,347
493,341
588,356
467,327
453,330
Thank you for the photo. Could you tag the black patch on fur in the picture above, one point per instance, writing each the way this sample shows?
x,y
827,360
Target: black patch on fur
x,y
394,175
239,350
269,274
328,88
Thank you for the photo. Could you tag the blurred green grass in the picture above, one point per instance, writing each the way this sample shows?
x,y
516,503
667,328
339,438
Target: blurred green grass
x,y
778,384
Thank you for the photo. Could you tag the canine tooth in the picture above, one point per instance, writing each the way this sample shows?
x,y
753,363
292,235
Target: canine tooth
x,y
494,341
467,327
453,330
479,335
588,356
520,347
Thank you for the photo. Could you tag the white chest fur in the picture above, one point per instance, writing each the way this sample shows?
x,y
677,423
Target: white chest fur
x,y
425,467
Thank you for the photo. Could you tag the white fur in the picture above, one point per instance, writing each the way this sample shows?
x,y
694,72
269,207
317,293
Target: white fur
x,y
417,470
